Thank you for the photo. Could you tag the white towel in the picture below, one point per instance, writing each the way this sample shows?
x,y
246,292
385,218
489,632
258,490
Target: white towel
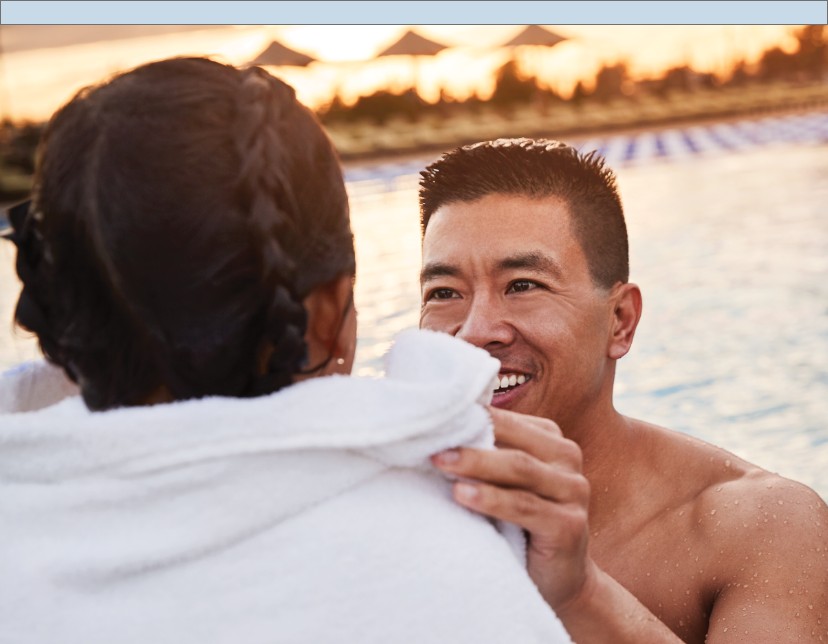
x,y
310,515
33,385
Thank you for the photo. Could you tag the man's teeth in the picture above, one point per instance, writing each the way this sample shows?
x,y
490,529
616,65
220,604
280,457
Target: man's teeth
x,y
506,381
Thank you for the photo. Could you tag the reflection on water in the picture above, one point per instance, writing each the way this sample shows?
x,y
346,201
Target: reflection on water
x,y
387,235
731,253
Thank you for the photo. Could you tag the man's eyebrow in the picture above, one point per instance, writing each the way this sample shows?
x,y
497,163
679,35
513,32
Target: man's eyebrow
x,y
535,261
433,270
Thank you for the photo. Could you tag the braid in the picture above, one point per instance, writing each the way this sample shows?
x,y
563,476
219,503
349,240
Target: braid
x,y
33,270
266,198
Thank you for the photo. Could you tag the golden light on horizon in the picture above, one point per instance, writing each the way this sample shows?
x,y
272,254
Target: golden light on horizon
x,y
35,82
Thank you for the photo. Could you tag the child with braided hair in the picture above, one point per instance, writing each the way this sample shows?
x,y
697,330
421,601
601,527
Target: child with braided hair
x,y
187,260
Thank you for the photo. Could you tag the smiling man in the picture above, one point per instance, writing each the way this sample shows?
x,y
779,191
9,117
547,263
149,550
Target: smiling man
x,y
636,533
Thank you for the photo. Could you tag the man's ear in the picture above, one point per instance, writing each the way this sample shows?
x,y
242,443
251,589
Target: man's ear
x,y
329,307
626,312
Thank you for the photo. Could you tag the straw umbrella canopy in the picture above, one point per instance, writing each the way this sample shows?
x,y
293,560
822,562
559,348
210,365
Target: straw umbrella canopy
x,y
415,46
277,55
535,35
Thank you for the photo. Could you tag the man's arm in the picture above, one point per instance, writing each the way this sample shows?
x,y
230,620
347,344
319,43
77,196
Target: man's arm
x,y
535,480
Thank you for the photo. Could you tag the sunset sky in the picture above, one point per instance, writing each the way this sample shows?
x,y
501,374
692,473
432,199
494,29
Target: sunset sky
x,y
43,66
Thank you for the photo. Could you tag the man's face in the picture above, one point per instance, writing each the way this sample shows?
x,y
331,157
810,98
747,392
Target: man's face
x,y
506,274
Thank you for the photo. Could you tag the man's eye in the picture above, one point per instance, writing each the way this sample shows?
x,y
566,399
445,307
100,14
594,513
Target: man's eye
x,y
441,294
520,286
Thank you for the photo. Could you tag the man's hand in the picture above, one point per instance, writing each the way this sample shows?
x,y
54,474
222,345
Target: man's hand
x,y
533,480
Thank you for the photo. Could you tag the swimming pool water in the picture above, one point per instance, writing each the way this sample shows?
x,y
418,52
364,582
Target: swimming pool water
x,y
730,249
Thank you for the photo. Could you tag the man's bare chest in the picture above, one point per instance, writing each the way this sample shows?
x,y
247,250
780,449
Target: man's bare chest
x,y
666,568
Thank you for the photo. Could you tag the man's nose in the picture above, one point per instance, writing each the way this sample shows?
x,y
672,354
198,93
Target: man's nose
x,y
486,324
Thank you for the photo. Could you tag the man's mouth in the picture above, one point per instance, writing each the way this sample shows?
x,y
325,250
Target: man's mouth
x,y
507,381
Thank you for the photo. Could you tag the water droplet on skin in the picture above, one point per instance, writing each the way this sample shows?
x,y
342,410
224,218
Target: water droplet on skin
x,y
727,463
780,503
712,512
736,502
719,489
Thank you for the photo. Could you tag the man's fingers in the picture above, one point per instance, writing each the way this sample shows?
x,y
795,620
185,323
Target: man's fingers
x,y
536,436
516,469
539,516
509,422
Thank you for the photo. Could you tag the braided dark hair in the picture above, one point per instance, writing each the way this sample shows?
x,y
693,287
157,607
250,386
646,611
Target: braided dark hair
x,y
181,212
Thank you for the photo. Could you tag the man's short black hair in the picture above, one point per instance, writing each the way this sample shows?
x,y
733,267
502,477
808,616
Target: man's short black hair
x,y
538,169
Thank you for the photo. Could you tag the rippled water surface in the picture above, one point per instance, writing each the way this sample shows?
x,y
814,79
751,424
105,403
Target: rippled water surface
x,y
731,253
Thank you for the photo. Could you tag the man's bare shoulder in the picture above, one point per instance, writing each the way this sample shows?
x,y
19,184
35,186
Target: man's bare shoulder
x,y
753,545
726,493
752,519
763,513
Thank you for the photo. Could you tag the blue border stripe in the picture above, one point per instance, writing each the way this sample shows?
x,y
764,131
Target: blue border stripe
x,y
689,142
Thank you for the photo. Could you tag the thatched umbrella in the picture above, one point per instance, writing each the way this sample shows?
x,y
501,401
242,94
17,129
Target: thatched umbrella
x,y
416,47
535,35
277,55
